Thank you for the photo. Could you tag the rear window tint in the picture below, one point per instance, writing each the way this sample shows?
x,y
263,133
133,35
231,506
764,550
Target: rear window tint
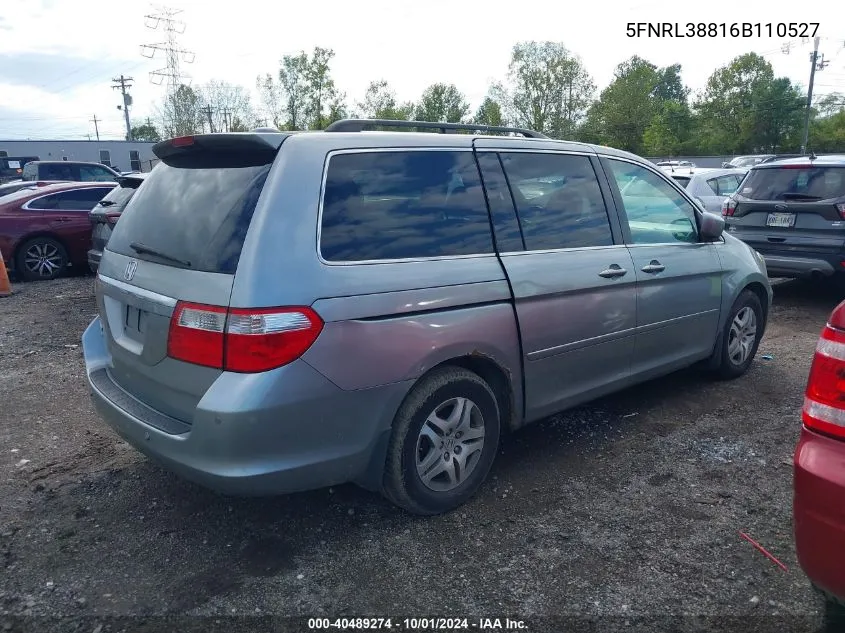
x,y
681,180
119,196
821,183
197,214
397,205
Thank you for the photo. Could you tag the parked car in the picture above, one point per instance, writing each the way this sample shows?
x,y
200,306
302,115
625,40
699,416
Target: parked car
x,y
748,161
46,229
105,215
11,167
709,187
793,212
69,170
675,163
819,478
284,311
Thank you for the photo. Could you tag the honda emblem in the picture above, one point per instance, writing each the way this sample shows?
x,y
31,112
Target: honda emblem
x,y
129,273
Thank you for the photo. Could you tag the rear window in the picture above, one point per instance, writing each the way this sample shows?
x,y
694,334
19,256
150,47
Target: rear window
x,y
681,180
197,214
810,183
119,196
398,205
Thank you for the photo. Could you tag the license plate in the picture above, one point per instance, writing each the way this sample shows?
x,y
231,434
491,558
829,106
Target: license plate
x,y
782,220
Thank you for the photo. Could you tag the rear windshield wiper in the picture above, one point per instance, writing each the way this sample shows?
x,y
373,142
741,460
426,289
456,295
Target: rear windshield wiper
x,y
140,248
107,203
800,196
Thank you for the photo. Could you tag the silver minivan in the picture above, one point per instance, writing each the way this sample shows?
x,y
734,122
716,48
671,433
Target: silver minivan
x,y
288,311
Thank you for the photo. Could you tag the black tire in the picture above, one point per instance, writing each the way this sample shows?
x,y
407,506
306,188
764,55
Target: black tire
x,y
729,368
51,249
834,612
403,484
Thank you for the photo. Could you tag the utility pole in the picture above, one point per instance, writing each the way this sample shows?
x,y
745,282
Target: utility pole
x,y
227,120
207,112
815,65
95,120
123,84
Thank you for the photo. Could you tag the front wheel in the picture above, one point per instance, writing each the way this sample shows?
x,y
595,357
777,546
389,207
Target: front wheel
x,y
445,437
41,258
741,337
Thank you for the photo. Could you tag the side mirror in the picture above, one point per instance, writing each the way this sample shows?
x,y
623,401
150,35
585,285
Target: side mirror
x,y
712,226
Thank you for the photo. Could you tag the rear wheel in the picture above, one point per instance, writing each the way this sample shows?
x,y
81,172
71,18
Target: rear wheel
x,y
445,437
741,336
41,258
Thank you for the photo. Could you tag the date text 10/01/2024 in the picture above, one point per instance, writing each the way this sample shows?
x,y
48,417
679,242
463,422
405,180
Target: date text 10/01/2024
x,y
418,624
722,29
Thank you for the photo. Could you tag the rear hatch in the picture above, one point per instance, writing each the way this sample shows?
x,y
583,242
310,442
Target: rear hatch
x,y
178,241
784,209
104,216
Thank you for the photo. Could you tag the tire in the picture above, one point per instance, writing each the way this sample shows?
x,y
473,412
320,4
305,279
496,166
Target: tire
x,y
415,445
834,612
735,362
41,258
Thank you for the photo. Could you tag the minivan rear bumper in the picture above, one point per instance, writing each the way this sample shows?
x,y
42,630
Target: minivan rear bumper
x,y
282,431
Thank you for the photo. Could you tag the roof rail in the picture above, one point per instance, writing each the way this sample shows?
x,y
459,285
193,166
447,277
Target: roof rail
x,y
359,125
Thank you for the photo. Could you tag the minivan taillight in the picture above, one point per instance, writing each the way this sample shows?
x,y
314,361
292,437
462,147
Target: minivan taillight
x,y
241,339
824,399
112,218
728,207
841,209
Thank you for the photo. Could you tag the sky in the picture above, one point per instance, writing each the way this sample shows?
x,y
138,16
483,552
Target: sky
x,y
58,57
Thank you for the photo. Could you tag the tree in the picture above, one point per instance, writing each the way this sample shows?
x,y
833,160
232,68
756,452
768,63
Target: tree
x,y
745,109
146,132
231,107
625,108
489,113
380,103
442,102
304,97
180,113
547,90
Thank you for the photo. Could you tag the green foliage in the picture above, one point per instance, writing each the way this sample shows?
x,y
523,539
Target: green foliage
x,y
304,96
441,102
146,132
547,89
380,103
489,113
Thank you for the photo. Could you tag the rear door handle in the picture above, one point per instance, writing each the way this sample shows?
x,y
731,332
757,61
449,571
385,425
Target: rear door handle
x,y
614,271
653,266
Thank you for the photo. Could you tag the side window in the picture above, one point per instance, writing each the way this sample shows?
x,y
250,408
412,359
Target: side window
x,y
724,185
76,200
105,157
558,200
56,171
92,173
134,160
657,213
395,205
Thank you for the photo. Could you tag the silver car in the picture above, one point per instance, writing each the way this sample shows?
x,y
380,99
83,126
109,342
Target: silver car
x,y
709,187
287,311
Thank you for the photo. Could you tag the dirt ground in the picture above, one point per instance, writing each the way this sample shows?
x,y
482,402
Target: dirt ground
x,y
630,507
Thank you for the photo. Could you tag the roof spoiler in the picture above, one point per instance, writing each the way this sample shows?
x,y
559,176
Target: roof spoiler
x,y
359,125
235,143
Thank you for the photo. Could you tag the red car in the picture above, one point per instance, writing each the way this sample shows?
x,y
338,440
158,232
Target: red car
x,y
819,502
46,229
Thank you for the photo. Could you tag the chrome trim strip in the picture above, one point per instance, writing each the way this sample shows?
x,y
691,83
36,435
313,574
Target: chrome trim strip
x,y
604,338
141,293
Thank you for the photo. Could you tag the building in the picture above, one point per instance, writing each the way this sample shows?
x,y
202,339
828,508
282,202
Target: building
x,y
120,155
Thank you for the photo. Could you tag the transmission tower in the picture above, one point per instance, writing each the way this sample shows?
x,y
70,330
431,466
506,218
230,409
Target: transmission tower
x,y
165,19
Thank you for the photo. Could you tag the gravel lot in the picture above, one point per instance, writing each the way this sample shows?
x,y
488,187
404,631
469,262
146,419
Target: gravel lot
x,y
629,507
